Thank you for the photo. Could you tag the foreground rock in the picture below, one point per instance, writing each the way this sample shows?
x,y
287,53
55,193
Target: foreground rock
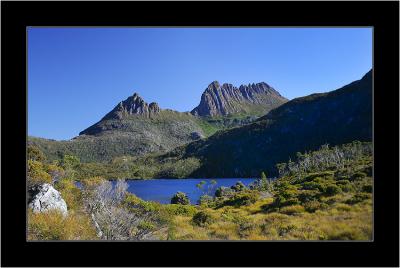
x,y
44,198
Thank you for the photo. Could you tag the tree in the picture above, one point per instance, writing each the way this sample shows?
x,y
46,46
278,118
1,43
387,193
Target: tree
x,y
180,198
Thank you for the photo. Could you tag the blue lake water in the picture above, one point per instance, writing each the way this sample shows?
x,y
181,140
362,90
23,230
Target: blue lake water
x,y
161,190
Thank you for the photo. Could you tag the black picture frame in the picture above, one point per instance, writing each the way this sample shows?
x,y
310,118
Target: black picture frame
x,y
383,16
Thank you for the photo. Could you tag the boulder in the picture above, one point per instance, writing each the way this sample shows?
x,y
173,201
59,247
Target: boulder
x,y
196,135
44,198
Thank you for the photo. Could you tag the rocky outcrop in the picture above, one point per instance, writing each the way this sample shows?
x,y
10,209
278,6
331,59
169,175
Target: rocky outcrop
x,y
228,99
133,105
44,198
196,135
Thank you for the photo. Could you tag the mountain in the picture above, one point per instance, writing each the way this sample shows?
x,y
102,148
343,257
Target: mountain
x,y
302,124
134,127
227,99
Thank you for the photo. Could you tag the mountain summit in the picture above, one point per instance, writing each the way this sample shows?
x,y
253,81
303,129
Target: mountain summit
x,y
227,99
133,105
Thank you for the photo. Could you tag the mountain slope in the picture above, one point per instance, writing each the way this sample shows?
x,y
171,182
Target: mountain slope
x,y
134,128
337,117
224,100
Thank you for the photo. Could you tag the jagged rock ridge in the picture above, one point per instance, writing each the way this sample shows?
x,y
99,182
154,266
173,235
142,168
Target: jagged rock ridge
x,y
134,105
228,99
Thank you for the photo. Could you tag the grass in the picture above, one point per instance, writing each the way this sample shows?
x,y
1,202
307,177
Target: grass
x,y
329,204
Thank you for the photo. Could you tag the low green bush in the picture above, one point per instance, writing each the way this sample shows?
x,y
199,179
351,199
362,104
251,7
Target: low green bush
x,y
182,210
180,198
242,199
203,218
358,197
332,189
312,206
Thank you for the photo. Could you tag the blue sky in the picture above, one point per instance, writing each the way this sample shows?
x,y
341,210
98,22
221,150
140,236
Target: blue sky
x,y
77,75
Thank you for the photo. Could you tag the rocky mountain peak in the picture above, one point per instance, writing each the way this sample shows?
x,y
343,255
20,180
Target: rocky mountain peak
x,y
228,99
133,105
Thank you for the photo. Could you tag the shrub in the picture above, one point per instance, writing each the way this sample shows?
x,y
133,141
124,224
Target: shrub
x,y
37,174
180,198
292,210
34,153
357,198
242,199
206,201
92,182
223,192
239,186
358,176
203,218
311,185
332,189
291,201
180,210
312,206
345,185
308,195
367,188
70,193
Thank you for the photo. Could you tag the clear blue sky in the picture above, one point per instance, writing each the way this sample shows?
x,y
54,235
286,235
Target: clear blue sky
x,y
77,75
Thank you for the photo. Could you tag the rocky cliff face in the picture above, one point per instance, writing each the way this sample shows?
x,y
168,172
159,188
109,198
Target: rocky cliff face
x,y
134,105
227,99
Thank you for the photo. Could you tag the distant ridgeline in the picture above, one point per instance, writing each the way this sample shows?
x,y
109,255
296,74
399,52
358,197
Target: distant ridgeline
x,y
137,128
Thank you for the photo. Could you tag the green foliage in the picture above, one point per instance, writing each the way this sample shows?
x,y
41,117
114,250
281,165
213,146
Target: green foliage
x,y
358,197
223,192
37,173
243,198
312,206
332,189
203,218
206,201
70,193
239,186
180,210
263,176
180,198
35,154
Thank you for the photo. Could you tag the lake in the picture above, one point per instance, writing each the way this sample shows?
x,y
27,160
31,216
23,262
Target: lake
x,y
161,190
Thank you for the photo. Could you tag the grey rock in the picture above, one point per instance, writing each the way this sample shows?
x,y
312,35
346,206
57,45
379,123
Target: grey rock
x,y
44,198
196,135
228,99
133,105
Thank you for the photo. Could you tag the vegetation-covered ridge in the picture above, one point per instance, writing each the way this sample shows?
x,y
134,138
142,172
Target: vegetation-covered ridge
x,y
336,117
319,195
